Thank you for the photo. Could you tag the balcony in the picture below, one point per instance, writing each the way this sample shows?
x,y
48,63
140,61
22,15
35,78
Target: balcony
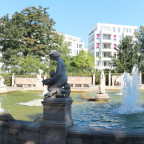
x,y
106,40
106,58
106,49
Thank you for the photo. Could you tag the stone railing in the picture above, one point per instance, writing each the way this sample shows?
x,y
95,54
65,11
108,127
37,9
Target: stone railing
x,y
25,82
34,82
80,81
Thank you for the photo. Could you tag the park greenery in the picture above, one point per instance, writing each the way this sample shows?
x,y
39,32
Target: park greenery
x,y
127,55
27,38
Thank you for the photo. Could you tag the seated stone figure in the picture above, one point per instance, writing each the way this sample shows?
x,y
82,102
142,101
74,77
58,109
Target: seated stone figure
x,y
57,84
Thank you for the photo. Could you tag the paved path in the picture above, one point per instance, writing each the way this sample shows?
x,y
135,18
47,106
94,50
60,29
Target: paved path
x,y
93,88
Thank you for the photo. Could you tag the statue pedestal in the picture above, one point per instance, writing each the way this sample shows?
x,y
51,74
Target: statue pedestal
x,y
100,97
56,120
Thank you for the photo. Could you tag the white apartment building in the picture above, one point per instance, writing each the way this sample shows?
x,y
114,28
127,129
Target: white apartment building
x,y
75,45
104,39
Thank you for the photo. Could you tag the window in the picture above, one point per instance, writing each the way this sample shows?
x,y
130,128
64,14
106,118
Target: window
x,y
97,45
113,29
106,63
97,54
69,43
97,36
92,38
134,30
118,30
126,29
107,54
129,30
120,37
106,46
97,63
106,37
105,28
80,45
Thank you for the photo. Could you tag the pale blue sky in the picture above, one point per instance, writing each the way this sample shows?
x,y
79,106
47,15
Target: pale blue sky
x,y
76,17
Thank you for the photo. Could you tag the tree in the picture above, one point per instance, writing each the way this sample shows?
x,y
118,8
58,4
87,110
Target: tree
x,y
127,55
28,33
140,37
28,65
83,61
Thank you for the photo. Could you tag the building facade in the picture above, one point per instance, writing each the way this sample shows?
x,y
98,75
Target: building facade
x,y
104,39
75,45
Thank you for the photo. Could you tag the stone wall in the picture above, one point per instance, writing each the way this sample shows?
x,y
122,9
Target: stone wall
x,y
22,132
19,132
93,135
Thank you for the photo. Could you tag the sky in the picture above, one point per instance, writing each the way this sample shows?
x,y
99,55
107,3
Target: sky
x,y
76,17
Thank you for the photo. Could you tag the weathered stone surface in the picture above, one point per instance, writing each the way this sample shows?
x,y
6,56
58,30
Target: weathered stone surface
x,y
19,132
56,120
6,117
57,83
91,135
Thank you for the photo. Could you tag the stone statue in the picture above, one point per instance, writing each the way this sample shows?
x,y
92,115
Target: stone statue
x,y
2,81
39,75
57,84
101,94
102,83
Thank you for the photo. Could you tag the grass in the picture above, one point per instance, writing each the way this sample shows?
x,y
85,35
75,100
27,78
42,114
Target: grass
x,y
10,105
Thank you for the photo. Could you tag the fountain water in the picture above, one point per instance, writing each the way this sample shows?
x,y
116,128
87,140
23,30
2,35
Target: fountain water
x,y
35,102
131,99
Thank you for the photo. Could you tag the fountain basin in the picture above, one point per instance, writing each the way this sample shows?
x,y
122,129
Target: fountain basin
x,y
100,114
97,97
102,97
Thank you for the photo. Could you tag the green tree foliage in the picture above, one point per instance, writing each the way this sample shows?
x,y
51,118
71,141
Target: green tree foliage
x,y
83,61
29,33
127,55
28,65
140,36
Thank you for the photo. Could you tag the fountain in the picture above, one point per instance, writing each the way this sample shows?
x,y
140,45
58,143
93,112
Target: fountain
x,y
101,94
131,99
35,102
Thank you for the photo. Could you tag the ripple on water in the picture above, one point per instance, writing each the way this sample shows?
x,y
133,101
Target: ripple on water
x,y
106,115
